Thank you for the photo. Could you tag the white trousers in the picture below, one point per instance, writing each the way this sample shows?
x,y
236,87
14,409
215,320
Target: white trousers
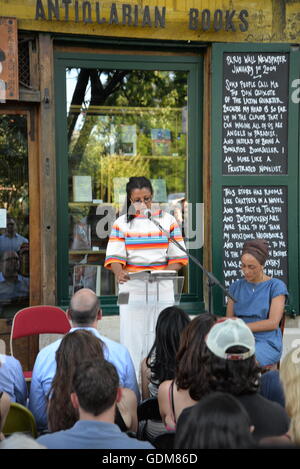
x,y
138,318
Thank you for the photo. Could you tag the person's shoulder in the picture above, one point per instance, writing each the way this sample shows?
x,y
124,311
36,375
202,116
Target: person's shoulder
x,y
133,443
277,282
168,217
184,415
48,438
22,238
121,220
164,387
278,287
48,351
9,361
272,375
114,346
239,283
262,402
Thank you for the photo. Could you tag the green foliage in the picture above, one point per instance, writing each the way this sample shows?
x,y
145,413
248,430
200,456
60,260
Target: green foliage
x,y
14,168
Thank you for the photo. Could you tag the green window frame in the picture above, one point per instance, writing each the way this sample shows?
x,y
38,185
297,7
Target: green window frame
x,y
290,180
193,64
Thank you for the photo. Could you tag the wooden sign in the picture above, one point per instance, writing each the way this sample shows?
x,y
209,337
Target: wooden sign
x,y
9,73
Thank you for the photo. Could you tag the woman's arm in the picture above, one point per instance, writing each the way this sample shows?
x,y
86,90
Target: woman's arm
x,y
119,271
4,409
229,309
128,409
164,404
145,379
275,315
175,266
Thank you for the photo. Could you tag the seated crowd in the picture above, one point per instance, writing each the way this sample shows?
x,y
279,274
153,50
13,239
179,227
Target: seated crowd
x,y
201,376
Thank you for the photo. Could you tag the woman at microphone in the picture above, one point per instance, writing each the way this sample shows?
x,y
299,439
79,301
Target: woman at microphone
x,y
136,244
260,302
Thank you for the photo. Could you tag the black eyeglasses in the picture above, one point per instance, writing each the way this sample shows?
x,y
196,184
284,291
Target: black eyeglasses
x,y
145,200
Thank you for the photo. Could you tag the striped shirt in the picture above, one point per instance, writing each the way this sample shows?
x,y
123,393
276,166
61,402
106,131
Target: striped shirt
x,y
139,244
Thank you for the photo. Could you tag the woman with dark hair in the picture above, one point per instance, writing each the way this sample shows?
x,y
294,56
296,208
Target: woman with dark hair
x,y
75,347
137,244
260,302
218,421
160,364
188,385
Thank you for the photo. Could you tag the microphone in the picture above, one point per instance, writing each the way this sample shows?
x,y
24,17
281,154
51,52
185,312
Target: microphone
x,y
147,213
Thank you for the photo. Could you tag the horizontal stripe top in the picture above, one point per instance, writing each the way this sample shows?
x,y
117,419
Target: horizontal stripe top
x,y
139,244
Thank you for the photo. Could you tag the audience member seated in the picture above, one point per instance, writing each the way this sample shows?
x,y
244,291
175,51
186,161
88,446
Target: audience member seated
x,y
260,302
84,313
185,389
75,347
10,240
290,377
12,379
218,421
95,394
20,441
14,288
229,365
160,364
271,387
4,409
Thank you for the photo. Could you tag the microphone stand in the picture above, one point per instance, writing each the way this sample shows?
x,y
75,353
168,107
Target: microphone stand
x,y
212,280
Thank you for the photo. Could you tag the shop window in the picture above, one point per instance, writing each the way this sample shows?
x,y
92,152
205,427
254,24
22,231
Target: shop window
x,y
14,214
125,123
115,122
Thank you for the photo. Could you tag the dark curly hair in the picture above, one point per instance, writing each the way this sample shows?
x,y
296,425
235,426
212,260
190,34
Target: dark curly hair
x,y
190,373
162,357
235,377
218,421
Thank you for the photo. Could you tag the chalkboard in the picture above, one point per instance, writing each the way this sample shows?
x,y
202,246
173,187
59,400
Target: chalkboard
x,y
255,113
255,212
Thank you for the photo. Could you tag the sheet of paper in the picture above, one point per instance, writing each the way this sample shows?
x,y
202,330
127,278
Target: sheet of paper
x,y
82,188
3,216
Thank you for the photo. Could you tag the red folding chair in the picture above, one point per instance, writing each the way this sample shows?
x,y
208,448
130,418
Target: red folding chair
x,y
34,320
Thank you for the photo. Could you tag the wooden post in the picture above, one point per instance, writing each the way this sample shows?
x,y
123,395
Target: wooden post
x,y
207,255
47,171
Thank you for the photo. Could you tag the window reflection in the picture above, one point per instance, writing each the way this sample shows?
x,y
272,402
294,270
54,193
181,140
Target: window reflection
x,y
14,214
121,123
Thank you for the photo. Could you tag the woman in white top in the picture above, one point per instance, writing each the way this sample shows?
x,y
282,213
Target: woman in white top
x,y
137,244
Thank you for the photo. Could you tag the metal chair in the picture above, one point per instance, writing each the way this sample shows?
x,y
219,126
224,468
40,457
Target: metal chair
x,y
19,419
34,320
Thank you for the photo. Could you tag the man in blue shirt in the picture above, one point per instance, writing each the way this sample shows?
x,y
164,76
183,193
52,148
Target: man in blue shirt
x,y
14,288
12,379
84,312
96,392
11,240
